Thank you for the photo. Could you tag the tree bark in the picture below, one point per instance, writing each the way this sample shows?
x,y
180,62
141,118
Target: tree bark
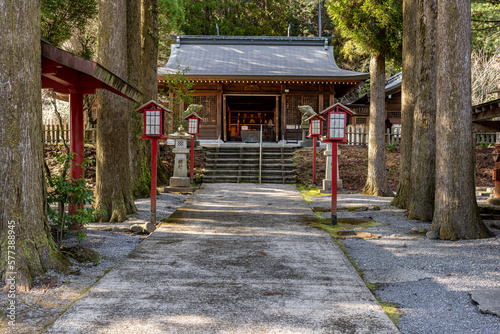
x,y
402,198
423,157
23,216
456,215
376,183
150,36
113,188
140,149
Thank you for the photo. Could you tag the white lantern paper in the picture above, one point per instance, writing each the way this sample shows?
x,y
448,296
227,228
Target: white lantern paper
x,y
337,125
192,126
315,129
153,122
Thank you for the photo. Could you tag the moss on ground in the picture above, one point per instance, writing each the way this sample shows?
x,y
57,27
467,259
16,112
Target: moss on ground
x,y
308,192
345,224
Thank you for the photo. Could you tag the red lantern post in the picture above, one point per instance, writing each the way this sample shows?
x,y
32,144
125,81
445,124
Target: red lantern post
x,y
154,129
336,116
193,128
315,126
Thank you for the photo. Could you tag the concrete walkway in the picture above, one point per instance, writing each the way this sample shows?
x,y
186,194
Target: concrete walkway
x,y
235,258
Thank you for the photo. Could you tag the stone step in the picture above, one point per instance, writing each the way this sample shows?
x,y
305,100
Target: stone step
x,y
250,161
271,154
241,164
248,172
250,179
212,166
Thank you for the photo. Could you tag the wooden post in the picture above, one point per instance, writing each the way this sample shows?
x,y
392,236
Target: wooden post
x,y
192,158
153,180
314,160
334,183
76,143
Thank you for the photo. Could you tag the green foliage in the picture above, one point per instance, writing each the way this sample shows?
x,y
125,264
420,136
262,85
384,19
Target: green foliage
x,y
63,190
61,18
170,17
255,18
177,84
486,26
392,147
374,27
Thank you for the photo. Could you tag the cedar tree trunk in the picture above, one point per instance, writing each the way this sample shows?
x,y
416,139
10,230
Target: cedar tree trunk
x,y
376,183
140,149
113,188
25,239
402,198
150,36
423,157
456,215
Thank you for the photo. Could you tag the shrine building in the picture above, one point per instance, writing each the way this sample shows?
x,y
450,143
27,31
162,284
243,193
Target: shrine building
x,y
246,82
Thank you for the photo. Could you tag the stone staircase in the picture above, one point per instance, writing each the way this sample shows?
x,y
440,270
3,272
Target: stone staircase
x,y
241,164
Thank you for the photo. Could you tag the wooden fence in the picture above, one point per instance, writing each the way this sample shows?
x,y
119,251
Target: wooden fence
x,y
53,133
358,135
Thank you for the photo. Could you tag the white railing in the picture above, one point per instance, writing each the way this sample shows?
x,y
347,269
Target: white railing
x,y
486,138
358,135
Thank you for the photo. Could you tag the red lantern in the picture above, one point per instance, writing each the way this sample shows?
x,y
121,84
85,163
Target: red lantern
x,y
154,128
336,116
336,125
193,127
154,120
315,126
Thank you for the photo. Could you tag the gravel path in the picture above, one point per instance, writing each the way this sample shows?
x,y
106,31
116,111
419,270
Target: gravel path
x,y
429,280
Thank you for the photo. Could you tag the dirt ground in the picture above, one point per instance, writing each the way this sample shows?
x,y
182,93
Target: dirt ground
x,y
353,161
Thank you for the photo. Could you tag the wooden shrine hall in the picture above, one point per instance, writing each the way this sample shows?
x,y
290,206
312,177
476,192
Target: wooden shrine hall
x,y
246,82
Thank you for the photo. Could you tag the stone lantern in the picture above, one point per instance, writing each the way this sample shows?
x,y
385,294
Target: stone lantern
x,y
180,182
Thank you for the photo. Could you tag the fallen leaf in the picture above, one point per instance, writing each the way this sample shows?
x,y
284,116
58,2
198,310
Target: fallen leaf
x,y
272,293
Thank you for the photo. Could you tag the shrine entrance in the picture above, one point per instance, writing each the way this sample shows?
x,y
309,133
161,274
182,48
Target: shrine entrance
x,y
244,114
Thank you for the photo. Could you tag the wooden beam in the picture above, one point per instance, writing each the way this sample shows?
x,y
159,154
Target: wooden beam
x,y
487,114
486,126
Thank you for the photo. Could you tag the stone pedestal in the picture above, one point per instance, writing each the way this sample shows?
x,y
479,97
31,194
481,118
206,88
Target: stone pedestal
x,y
180,182
327,182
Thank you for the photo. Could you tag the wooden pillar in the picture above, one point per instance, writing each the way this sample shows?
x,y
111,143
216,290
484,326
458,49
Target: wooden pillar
x,y
283,111
76,133
321,99
276,132
219,110
224,116
76,146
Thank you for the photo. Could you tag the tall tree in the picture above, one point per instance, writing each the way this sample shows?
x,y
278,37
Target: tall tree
x,y
402,198
61,18
423,155
375,27
456,215
113,187
140,167
26,246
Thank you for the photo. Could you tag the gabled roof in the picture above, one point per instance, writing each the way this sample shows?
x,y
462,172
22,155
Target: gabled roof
x,y
67,73
392,86
236,57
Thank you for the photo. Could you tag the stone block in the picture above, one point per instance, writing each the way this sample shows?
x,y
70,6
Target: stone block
x,y
183,182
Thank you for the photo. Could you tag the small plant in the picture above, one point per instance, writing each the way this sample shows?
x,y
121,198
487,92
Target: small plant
x,y
392,147
66,190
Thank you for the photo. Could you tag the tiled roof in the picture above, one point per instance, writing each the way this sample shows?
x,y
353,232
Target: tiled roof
x,y
230,57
